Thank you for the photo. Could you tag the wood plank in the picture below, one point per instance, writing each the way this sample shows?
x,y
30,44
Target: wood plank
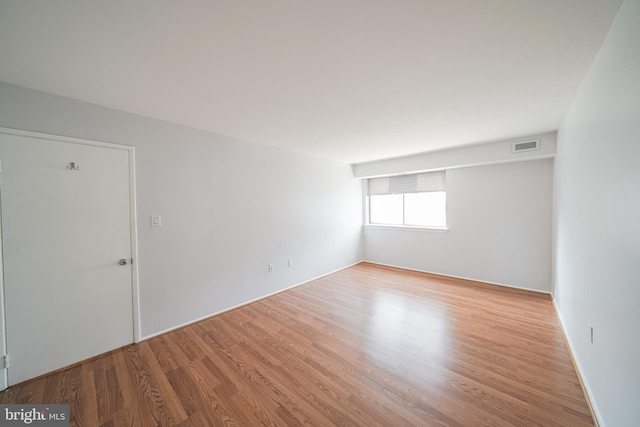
x,y
369,345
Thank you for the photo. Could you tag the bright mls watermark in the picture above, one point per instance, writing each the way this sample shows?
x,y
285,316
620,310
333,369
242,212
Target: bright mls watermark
x,y
37,415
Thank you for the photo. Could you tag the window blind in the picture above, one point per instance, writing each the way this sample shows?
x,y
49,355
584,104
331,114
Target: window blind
x,y
400,184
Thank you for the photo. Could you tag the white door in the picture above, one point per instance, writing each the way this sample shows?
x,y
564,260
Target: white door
x,y
64,232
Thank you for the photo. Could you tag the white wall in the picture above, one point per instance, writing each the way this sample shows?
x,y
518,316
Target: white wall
x,y
229,208
499,220
470,155
597,216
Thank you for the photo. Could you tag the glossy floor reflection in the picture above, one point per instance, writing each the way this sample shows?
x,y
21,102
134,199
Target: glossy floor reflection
x,y
367,346
407,334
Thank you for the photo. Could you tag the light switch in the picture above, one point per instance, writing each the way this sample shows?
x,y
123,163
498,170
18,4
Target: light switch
x,y
156,221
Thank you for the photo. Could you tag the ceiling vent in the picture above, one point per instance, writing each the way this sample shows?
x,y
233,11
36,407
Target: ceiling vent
x,y
519,147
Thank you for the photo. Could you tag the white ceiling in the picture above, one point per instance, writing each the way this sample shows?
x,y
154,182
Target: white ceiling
x,y
349,80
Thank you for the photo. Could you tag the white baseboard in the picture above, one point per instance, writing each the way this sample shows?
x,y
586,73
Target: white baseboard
x,y
576,362
460,277
199,319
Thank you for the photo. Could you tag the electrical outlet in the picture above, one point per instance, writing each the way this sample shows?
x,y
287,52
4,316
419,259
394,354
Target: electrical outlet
x,y
592,335
290,262
270,268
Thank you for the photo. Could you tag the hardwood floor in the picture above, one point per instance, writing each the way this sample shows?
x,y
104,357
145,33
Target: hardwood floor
x,y
366,346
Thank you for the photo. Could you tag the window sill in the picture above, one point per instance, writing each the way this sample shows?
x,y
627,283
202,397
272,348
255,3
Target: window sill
x,y
408,228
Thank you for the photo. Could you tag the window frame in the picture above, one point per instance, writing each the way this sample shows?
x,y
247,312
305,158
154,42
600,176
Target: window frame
x,y
426,228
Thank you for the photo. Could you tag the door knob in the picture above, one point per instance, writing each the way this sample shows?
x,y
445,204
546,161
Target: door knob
x,y
123,261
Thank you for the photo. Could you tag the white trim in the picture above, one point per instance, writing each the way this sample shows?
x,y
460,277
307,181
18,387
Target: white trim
x,y
62,138
463,278
583,379
365,205
132,203
408,228
199,319
4,376
135,291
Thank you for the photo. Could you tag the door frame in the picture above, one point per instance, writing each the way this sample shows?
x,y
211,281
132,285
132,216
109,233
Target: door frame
x,y
135,291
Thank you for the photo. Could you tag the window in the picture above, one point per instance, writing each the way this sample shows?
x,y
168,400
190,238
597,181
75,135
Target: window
x,y
417,200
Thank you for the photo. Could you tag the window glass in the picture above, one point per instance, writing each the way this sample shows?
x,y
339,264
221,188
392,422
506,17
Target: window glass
x,y
414,200
425,209
385,209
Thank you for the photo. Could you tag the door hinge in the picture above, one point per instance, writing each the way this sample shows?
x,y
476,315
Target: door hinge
x,y
4,361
